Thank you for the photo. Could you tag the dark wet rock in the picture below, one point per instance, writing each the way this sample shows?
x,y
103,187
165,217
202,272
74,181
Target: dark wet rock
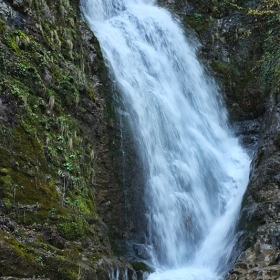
x,y
53,238
261,207
21,5
248,133
142,270
5,9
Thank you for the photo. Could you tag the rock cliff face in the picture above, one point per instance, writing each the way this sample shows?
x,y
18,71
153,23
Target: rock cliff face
x,y
260,215
59,143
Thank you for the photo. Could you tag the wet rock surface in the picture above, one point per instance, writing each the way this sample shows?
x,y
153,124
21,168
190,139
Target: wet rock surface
x,y
261,211
248,133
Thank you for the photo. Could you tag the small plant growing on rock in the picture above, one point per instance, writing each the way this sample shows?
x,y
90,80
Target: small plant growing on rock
x,y
197,16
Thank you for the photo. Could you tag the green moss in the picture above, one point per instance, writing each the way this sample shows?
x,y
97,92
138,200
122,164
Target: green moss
x,y
220,66
18,250
4,171
90,91
270,73
6,180
197,22
3,27
37,258
72,227
46,167
252,226
116,247
140,266
68,273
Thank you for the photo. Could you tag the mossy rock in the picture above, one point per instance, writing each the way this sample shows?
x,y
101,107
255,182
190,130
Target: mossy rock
x,y
140,266
220,66
47,164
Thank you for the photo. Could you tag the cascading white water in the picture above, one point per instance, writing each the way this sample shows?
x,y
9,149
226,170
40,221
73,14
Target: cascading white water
x,y
196,170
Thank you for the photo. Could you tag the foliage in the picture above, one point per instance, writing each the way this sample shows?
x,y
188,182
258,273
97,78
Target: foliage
x,y
267,19
266,7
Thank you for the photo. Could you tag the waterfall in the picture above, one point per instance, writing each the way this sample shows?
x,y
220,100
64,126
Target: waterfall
x,y
196,172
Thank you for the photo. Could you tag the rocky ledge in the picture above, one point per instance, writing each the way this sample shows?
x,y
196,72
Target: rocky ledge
x,y
261,212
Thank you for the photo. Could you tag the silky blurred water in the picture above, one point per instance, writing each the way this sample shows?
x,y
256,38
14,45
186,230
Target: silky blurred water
x,y
196,170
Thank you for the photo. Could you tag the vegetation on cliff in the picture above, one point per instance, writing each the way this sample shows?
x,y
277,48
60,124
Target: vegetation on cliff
x,y
240,39
52,121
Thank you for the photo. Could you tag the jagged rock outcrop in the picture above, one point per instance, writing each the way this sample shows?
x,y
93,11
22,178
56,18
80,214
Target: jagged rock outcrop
x,y
260,214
